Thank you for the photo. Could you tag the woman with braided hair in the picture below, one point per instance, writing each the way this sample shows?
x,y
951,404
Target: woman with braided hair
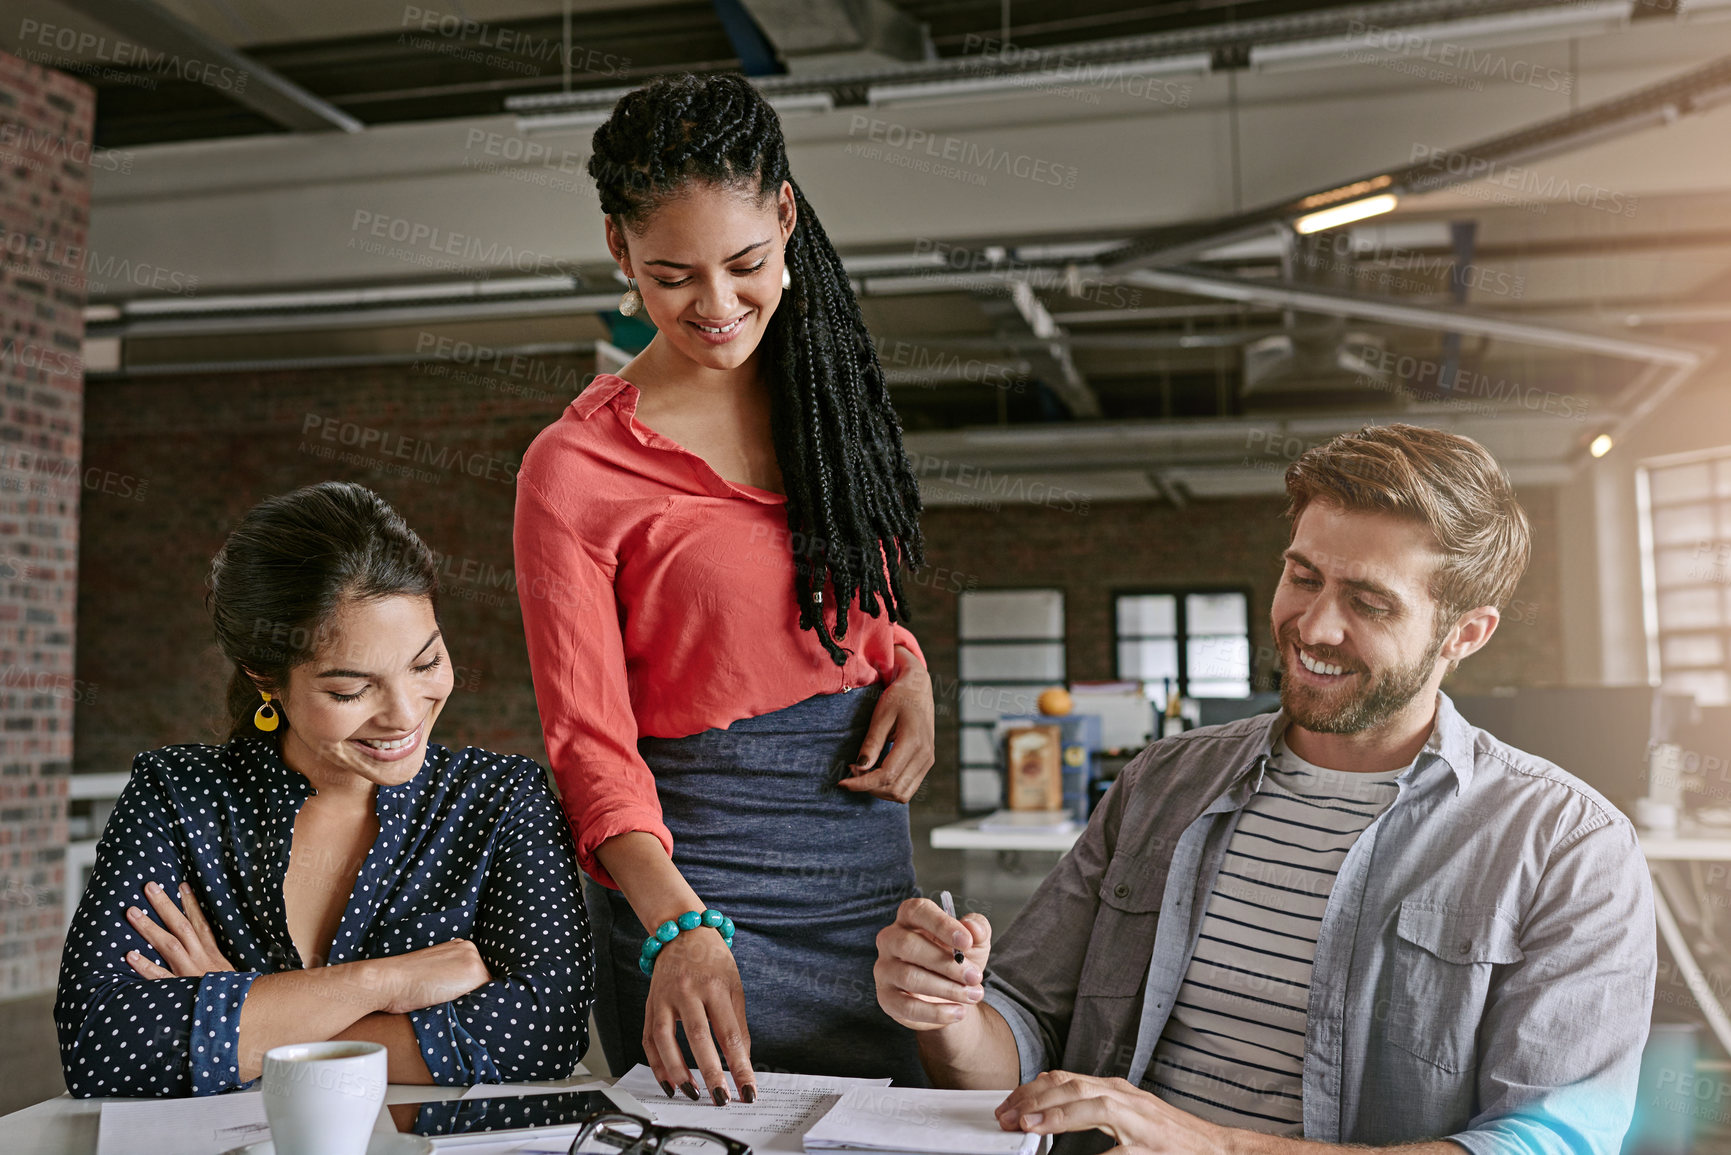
x,y
709,547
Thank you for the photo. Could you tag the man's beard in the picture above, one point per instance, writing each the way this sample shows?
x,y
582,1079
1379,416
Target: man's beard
x,y
1379,698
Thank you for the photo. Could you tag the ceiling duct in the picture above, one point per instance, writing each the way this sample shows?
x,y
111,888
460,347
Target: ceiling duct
x,y
815,36
1316,364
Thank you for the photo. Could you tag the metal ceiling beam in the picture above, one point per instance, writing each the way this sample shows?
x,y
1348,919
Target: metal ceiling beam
x,y
1669,366
1653,106
265,92
1022,321
1642,397
1227,42
1524,442
1335,303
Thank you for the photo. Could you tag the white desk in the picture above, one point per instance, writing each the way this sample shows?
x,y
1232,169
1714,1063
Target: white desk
x,y
67,1126
967,835
1688,843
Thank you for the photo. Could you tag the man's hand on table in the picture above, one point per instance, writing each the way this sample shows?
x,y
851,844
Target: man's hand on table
x,y
1143,1124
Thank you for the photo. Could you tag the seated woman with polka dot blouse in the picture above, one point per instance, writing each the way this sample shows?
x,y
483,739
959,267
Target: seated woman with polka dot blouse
x,y
328,872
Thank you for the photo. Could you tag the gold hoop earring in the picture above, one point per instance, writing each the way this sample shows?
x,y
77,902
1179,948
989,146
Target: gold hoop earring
x,y
267,717
631,301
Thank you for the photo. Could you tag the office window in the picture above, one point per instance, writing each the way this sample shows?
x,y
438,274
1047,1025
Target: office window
x,y
1685,506
1197,641
1011,646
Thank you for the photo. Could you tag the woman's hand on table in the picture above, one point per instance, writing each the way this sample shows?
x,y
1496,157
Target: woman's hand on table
x,y
184,940
905,717
696,983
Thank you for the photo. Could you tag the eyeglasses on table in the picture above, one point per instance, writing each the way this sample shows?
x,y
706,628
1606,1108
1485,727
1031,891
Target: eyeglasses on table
x,y
617,1133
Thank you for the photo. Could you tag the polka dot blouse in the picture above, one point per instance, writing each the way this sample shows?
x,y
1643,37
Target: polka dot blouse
x,y
473,846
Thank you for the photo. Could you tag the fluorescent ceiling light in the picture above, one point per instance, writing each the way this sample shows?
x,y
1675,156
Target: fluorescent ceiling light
x,y
1560,22
1082,74
1345,214
865,264
1071,251
594,115
803,104
586,98
339,298
564,121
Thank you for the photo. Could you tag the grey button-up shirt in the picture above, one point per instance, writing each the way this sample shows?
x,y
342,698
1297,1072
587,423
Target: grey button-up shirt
x,y
1484,970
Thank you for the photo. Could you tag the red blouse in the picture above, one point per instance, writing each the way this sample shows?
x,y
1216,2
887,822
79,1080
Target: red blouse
x,y
657,601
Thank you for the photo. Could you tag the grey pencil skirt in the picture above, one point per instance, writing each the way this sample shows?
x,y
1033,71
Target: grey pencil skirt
x,y
808,871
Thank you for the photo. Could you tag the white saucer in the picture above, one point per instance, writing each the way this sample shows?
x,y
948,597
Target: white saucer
x,y
382,1143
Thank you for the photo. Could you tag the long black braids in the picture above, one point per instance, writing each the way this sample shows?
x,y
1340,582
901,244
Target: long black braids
x,y
853,507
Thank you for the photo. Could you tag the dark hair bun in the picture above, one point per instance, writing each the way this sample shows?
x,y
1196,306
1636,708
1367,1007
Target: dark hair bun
x,y
293,561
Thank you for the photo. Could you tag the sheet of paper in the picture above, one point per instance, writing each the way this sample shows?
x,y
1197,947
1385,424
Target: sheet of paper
x,y
500,1090
205,1125
917,1119
786,1105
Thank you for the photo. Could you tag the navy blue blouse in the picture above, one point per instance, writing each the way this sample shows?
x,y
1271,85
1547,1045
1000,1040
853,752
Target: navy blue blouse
x,y
473,846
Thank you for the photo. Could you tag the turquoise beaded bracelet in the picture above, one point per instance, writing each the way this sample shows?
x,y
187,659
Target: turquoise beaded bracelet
x,y
669,930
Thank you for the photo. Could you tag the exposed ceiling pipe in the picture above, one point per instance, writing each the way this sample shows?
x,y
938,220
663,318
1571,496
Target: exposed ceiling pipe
x,y
1669,365
1641,398
407,314
1652,106
1305,298
988,56
1532,446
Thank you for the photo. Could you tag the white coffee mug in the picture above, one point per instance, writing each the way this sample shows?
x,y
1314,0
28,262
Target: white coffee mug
x,y
323,1098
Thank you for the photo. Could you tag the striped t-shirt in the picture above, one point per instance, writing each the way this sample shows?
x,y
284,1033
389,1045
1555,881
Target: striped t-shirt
x,y
1233,1049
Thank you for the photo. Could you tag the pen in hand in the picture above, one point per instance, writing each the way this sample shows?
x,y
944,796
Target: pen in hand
x,y
949,905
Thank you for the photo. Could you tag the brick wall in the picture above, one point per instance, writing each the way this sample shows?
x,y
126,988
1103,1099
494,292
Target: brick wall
x,y
45,124
189,456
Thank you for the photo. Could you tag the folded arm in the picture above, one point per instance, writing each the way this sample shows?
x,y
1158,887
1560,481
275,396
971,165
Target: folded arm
x,y
531,1020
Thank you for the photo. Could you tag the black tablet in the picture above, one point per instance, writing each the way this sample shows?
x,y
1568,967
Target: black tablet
x,y
491,1117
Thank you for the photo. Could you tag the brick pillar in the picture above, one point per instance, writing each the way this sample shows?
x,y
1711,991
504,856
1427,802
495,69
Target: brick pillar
x,y
45,132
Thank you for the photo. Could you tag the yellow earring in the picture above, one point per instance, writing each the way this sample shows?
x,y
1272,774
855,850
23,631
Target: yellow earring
x,y
266,717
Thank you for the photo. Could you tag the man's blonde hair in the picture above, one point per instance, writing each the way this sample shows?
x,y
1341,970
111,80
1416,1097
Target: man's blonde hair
x,y
1448,483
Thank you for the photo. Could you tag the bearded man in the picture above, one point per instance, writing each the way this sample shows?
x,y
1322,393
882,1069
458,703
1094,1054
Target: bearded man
x,y
1358,921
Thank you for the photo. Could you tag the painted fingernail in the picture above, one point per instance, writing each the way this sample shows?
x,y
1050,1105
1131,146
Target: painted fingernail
x,y
666,1087
690,1091
749,1092
719,1094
